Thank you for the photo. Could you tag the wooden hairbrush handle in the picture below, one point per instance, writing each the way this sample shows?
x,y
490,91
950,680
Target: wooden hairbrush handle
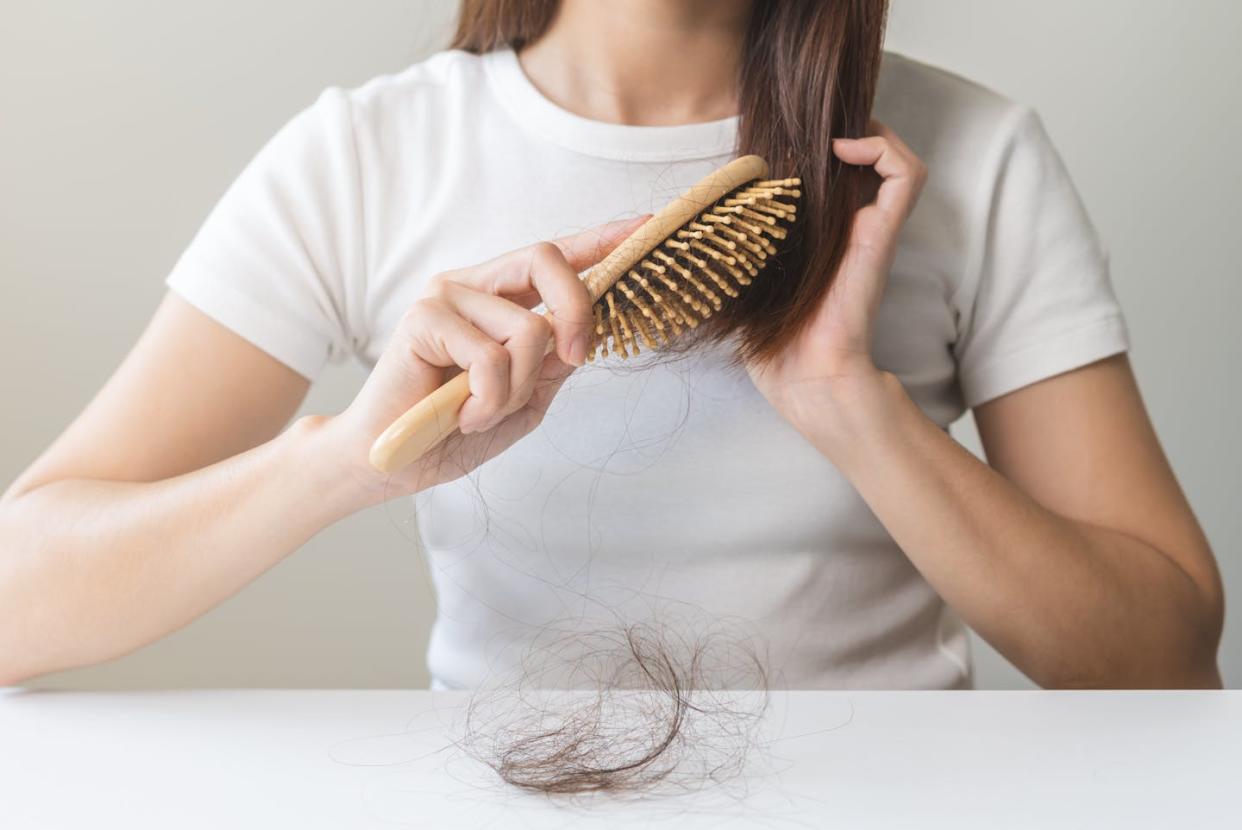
x,y
435,417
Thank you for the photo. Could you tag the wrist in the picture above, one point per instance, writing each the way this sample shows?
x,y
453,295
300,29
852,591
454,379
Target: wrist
x,y
846,416
339,471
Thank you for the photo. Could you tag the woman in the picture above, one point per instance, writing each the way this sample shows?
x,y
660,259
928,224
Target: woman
x,y
814,494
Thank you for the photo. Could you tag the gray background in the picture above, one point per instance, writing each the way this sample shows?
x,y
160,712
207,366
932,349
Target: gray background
x,y
122,122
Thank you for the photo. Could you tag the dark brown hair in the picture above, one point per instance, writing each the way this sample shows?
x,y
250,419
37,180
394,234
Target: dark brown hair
x,y
809,70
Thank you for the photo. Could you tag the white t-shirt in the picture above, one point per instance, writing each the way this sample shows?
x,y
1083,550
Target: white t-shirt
x,y
675,488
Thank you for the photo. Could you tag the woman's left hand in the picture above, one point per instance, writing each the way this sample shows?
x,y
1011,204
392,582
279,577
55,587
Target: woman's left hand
x,y
833,351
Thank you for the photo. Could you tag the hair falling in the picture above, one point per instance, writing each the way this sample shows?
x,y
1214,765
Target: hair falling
x,y
808,74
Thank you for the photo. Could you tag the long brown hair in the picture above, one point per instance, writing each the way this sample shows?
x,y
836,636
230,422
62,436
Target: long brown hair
x,y
809,70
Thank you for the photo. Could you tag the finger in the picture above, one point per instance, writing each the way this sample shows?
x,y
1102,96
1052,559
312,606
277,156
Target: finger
x,y
550,378
444,338
582,250
901,171
540,273
505,274
547,272
552,375
902,149
523,334
567,300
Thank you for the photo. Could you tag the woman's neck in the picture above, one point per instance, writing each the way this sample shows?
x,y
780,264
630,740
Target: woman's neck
x,y
643,62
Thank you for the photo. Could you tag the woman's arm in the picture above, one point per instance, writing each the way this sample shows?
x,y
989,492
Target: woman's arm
x,y
1077,557
116,536
1075,553
173,489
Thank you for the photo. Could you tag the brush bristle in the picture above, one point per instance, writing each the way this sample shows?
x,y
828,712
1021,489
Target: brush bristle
x,y
685,279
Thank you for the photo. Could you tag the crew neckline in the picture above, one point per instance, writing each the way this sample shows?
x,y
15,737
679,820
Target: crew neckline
x,y
535,112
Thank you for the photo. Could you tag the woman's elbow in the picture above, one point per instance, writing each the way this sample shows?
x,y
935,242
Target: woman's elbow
x,y
1181,656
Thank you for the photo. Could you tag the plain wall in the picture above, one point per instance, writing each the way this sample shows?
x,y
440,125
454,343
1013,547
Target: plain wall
x,y
122,122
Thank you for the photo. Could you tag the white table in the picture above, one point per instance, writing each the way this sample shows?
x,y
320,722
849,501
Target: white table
x,y
384,759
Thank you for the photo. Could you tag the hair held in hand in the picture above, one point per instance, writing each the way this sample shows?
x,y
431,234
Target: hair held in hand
x,y
809,71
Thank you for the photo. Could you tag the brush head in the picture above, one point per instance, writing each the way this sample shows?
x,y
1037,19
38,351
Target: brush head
x,y
692,273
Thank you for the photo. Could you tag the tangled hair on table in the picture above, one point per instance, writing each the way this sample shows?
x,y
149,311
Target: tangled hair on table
x,y
659,711
809,71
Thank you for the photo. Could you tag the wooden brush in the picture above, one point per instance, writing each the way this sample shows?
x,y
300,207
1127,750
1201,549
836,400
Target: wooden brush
x,y
668,276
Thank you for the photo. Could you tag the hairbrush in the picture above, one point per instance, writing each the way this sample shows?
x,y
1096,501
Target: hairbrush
x,y
664,279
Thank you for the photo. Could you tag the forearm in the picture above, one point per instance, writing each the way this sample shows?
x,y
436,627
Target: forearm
x,y
1069,603
93,569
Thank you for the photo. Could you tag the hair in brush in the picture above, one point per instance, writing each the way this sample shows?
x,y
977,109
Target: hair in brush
x,y
700,270
667,277
809,70
808,74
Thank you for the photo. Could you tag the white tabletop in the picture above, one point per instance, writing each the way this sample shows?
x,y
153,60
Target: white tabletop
x,y
383,759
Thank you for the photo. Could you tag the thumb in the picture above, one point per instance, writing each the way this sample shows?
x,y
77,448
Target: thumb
x,y
584,249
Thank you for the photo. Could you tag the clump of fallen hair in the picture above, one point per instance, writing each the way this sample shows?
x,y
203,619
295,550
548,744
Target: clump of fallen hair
x,y
665,714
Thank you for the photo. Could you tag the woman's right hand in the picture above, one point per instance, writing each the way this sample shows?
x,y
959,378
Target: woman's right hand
x,y
479,319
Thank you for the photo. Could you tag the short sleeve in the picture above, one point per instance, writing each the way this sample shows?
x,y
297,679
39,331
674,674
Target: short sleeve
x,y
279,260
1040,301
